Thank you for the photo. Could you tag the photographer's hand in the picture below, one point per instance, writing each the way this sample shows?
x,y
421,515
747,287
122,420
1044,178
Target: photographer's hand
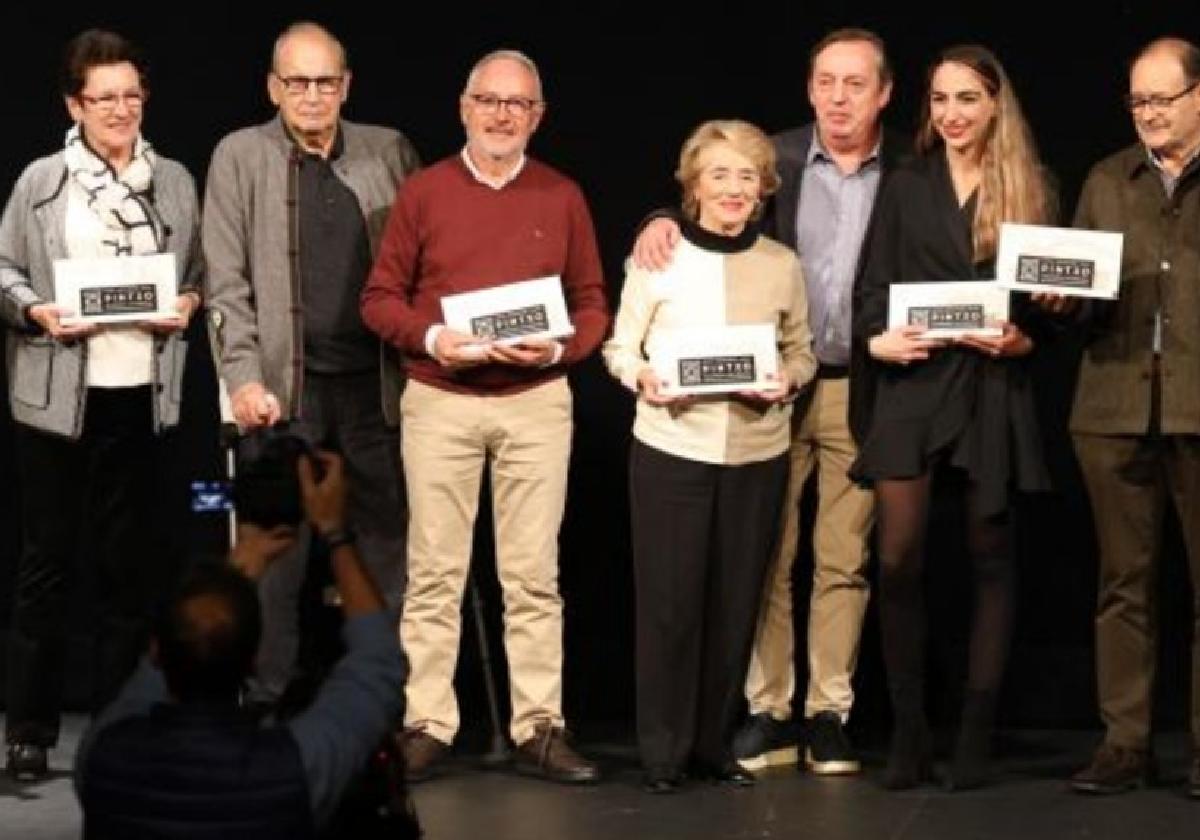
x,y
324,500
325,507
258,547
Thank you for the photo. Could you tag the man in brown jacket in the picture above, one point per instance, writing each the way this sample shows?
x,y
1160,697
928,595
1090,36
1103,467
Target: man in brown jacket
x,y
1136,419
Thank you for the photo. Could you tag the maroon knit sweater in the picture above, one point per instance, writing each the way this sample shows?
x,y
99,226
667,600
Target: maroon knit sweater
x,y
447,233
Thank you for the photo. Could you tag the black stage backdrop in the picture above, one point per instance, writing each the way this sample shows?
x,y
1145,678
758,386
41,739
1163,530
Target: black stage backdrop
x,y
625,83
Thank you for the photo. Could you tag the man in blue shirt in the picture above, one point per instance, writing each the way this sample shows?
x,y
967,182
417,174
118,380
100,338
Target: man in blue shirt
x,y
830,172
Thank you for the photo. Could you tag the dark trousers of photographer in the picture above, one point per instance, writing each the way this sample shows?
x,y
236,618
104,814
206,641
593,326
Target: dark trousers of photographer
x,y
341,412
87,501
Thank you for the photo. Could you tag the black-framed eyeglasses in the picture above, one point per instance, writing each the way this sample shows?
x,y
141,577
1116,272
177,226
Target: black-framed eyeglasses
x,y
518,106
299,85
1158,101
106,103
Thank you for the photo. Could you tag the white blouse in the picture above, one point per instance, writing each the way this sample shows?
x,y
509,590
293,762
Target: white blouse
x,y
118,355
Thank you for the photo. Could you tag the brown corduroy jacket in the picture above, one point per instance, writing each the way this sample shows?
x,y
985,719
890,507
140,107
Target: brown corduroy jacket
x,y
1160,272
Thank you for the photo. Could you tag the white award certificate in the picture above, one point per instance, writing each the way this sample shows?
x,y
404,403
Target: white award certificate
x,y
511,313
715,359
1062,261
949,310
105,290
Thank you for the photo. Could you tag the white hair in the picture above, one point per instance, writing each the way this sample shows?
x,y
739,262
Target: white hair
x,y
504,55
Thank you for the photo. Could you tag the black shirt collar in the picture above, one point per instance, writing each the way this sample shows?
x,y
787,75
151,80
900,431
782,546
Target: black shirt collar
x,y
335,151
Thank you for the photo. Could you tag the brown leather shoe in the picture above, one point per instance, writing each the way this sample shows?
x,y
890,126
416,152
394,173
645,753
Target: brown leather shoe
x,y
1113,770
548,756
422,754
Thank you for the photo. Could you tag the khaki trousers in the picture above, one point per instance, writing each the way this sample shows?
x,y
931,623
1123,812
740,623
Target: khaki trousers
x,y
845,513
446,440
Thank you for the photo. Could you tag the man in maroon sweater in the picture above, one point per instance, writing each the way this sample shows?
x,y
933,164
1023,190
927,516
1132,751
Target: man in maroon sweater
x,y
483,218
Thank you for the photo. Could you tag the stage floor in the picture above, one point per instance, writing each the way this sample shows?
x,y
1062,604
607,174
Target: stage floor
x,y
1029,802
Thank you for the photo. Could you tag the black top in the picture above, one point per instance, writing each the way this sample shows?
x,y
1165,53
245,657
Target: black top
x,y
976,411
717,242
335,257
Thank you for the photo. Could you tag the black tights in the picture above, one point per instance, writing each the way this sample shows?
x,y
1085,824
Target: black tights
x,y
903,516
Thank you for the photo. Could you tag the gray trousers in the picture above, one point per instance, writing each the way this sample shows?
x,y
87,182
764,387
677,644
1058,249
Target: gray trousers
x,y
341,413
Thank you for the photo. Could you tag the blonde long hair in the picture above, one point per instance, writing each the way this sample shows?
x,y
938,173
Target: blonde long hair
x,y
1012,186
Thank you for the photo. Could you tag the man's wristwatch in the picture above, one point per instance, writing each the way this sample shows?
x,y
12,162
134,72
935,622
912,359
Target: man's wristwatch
x,y
338,537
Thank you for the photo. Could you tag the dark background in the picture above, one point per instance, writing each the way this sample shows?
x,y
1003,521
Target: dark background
x,y
625,83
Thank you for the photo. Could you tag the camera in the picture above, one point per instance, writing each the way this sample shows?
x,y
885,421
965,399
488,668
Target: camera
x,y
266,492
266,489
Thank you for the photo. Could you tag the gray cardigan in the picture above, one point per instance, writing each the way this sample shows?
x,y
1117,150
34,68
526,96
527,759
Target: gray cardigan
x,y
250,234
47,386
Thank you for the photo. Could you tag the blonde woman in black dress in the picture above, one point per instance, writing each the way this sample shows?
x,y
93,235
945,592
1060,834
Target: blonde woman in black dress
x,y
962,411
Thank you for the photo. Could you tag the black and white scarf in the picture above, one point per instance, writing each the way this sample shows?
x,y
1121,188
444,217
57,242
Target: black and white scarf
x,y
121,202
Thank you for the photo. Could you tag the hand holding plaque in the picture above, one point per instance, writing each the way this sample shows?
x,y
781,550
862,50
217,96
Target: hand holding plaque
x,y
903,345
778,390
455,350
185,306
530,352
50,317
651,388
1055,303
1011,343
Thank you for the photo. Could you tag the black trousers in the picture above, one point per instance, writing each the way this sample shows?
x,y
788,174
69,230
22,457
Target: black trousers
x,y
703,535
341,413
87,501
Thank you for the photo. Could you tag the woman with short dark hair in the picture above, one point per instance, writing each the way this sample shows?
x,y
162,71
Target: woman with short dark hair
x,y
90,400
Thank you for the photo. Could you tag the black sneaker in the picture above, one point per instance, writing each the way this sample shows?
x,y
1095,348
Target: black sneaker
x,y
829,752
764,742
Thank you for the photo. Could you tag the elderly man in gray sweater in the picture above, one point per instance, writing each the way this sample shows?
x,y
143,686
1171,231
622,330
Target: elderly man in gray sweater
x,y
293,213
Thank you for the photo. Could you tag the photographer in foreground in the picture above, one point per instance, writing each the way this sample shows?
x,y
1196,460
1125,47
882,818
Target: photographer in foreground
x,y
174,756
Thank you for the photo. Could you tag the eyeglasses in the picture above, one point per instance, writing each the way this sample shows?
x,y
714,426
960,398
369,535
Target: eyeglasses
x,y
1158,101
518,106
107,103
852,86
299,85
